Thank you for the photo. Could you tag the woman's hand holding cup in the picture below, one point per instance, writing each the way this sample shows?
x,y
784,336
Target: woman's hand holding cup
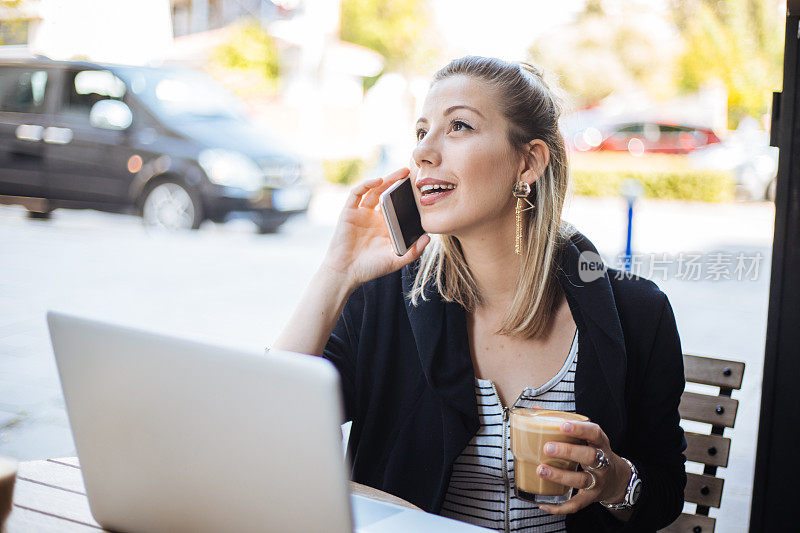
x,y
361,248
608,483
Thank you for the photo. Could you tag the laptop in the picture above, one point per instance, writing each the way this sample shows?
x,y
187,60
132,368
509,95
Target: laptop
x,y
180,435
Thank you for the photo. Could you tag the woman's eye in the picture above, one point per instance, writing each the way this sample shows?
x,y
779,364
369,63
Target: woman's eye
x,y
456,125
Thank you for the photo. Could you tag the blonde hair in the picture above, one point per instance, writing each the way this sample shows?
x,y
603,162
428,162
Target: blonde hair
x,y
532,110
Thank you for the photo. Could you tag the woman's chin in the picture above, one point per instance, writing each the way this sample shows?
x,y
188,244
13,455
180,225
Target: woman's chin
x,y
437,225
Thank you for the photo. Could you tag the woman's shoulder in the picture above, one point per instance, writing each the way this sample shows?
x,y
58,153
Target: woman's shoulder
x,y
634,287
645,314
388,284
632,293
371,296
636,295
391,284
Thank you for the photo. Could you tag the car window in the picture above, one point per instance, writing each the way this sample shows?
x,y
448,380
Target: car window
x,y
182,94
665,128
84,88
22,89
631,128
651,132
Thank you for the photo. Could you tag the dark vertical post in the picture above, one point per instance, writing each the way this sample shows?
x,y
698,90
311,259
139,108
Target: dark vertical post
x,y
631,189
775,488
628,250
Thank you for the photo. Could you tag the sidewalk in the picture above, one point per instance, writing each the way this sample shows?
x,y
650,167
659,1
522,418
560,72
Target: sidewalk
x,y
226,284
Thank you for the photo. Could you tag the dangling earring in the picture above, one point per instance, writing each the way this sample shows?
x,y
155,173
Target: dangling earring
x,y
521,191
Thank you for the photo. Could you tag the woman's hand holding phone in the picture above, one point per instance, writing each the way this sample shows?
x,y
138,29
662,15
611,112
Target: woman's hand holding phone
x,y
361,248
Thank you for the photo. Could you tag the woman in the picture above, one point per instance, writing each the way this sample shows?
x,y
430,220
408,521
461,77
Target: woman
x,y
433,346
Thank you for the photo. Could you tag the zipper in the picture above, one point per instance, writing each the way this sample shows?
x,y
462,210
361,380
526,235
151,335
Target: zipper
x,y
505,461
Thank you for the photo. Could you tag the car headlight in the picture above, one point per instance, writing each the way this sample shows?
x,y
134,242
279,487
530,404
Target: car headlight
x,y
278,174
231,169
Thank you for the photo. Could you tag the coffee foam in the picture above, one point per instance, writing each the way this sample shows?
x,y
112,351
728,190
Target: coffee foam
x,y
544,420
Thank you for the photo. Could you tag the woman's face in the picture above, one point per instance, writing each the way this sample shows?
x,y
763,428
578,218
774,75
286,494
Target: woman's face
x,y
462,141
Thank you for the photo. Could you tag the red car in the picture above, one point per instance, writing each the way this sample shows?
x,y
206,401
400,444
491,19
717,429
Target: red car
x,y
640,137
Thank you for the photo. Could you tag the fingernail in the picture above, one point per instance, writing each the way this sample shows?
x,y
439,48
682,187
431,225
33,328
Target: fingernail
x,y
567,426
550,448
544,471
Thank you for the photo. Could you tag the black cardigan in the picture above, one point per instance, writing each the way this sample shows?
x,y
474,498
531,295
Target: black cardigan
x,y
408,386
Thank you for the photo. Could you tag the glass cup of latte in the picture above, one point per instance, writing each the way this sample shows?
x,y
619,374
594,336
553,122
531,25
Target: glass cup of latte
x,y
530,430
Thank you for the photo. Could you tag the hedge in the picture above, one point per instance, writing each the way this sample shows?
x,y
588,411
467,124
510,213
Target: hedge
x,y
697,185
344,171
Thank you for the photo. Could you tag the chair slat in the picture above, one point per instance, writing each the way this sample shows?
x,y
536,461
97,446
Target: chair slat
x,y
710,450
716,410
703,489
710,371
707,449
686,523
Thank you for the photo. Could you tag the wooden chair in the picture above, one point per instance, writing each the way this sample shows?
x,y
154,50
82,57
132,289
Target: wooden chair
x,y
711,450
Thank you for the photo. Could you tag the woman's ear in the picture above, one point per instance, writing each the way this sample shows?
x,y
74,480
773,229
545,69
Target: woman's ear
x,y
536,157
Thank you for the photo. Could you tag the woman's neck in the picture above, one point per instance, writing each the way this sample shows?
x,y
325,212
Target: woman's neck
x,y
493,263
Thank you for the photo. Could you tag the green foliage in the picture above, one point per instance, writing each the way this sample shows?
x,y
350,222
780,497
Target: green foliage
x,y
739,42
369,82
598,54
14,26
593,7
250,50
393,28
699,185
344,171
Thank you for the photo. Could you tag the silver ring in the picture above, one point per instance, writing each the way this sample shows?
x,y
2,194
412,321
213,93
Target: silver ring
x,y
602,460
594,481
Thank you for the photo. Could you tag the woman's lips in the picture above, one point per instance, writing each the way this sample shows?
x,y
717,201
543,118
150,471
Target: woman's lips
x,y
432,198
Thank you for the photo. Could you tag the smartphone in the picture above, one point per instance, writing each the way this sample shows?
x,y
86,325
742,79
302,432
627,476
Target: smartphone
x,y
401,215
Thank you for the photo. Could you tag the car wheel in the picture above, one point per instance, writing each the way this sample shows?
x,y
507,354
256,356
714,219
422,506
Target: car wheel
x,y
170,205
38,215
742,194
267,228
769,193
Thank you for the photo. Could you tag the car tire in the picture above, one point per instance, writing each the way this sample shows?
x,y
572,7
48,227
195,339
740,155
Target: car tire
x,y
171,205
39,215
742,194
265,228
769,192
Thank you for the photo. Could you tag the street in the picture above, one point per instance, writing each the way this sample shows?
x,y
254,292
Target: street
x,y
228,285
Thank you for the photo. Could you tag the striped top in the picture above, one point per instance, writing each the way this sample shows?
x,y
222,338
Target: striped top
x,y
481,486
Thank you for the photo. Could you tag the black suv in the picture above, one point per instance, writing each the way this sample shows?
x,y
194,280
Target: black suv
x,y
168,143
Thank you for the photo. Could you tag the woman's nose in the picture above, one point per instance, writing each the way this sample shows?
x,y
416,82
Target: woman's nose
x,y
425,153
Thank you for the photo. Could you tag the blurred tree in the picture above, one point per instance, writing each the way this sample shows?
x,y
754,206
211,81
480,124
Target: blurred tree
x,y
739,42
599,54
396,29
250,51
14,25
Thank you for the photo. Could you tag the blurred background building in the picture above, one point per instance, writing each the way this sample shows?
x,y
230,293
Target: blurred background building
x,y
341,79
